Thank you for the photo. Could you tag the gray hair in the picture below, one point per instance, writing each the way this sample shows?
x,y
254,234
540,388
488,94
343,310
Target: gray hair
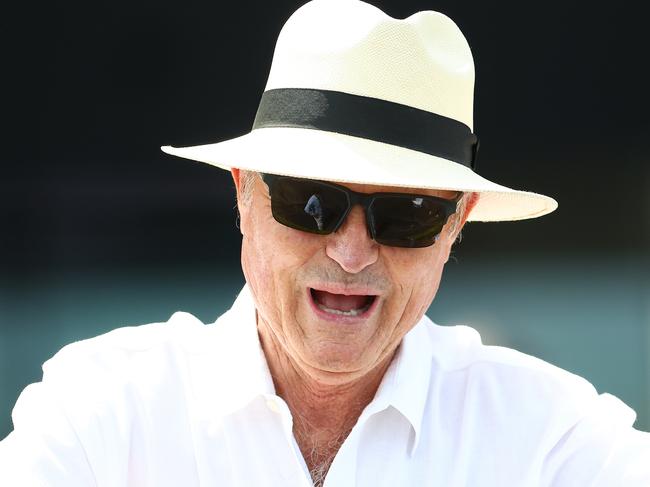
x,y
246,183
457,218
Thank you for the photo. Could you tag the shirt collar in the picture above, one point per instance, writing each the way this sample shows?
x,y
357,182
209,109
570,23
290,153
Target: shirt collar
x,y
405,385
231,370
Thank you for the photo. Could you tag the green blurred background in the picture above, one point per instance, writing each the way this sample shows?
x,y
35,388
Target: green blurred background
x,y
100,229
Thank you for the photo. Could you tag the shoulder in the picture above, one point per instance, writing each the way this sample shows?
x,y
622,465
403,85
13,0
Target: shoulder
x,y
511,398
508,386
118,350
137,365
460,350
147,363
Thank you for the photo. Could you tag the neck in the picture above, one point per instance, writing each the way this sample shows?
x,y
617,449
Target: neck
x,y
324,405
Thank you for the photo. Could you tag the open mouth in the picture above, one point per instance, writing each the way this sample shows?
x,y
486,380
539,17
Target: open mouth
x,y
342,304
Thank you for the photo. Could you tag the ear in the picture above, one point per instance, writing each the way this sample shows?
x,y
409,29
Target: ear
x,y
235,176
237,180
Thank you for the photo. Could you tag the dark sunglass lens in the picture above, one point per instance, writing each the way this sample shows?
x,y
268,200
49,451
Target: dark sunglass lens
x,y
405,221
307,205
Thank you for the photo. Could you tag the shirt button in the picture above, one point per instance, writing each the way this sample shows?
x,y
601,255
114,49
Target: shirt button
x,y
272,405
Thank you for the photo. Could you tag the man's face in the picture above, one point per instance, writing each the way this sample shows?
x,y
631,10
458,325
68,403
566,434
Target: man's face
x,y
336,305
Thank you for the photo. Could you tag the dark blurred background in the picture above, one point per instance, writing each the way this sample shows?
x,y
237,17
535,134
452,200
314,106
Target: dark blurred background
x,y
100,229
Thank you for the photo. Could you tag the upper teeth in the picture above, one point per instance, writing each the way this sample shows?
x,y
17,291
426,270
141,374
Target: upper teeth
x,y
352,312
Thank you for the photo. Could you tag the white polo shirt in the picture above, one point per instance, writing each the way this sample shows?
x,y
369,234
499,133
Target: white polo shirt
x,y
185,404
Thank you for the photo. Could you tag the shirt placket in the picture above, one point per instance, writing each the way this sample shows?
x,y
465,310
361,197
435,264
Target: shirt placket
x,y
296,463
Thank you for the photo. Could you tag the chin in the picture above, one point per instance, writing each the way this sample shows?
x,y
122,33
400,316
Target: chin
x,y
334,360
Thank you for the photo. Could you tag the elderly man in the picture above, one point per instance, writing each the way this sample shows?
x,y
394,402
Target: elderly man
x,y
352,188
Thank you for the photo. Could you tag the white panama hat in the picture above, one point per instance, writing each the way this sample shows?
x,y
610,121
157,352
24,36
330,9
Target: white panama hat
x,y
357,96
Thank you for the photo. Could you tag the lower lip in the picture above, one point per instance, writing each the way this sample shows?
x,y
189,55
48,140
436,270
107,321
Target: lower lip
x,y
336,318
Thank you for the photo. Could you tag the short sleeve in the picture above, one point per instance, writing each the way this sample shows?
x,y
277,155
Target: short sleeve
x,y
601,450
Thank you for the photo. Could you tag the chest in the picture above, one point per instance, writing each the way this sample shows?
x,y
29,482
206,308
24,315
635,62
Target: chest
x,y
262,450
257,446
318,449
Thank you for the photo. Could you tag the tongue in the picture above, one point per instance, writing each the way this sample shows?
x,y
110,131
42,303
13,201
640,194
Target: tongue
x,y
339,301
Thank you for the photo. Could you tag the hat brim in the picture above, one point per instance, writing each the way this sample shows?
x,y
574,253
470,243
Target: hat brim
x,y
342,158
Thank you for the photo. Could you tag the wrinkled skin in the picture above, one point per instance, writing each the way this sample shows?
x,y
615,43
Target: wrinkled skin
x,y
281,264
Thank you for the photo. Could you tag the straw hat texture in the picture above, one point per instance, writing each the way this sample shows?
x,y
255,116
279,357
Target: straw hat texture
x,y
354,95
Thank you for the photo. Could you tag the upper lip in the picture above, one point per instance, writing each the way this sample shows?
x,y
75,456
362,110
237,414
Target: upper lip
x,y
345,289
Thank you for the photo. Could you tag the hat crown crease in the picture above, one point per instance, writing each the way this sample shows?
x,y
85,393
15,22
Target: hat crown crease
x,y
423,61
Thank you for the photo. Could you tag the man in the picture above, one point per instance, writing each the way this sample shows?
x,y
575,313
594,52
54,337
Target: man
x,y
352,188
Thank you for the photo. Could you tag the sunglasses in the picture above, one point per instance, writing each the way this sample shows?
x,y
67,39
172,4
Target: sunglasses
x,y
394,219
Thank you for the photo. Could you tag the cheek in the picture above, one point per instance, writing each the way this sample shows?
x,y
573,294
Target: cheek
x,y
416,274
272,256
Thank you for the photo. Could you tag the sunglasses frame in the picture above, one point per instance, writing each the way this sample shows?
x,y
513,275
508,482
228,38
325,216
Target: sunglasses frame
x,y
365,200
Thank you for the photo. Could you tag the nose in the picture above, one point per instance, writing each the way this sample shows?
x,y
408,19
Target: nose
x,y
351,246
